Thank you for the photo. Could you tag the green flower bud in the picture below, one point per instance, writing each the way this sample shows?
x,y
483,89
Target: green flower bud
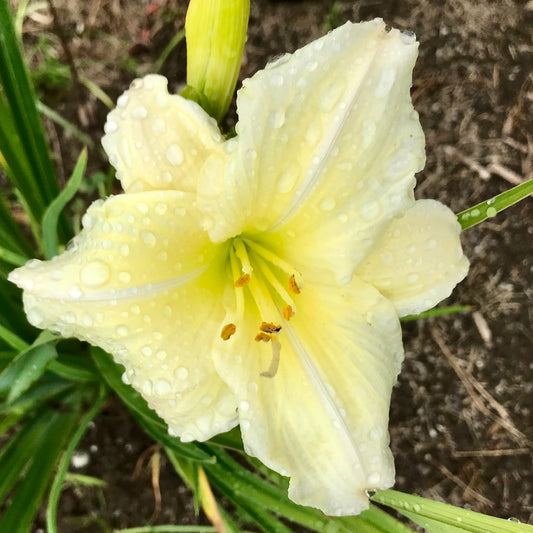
x,y
215,31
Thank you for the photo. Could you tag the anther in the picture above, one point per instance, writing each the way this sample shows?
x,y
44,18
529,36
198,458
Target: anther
x,y
242,281
293,286
269,327
287,312
265,337
227,331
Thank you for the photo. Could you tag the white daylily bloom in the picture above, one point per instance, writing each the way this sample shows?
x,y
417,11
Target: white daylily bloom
x,y
259,280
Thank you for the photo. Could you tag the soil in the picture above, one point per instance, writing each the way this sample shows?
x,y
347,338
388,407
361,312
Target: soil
x,y
461,421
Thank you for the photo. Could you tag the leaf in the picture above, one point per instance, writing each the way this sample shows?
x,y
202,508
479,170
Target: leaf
x,y
420,509
490,208
27,367
53,212
26,498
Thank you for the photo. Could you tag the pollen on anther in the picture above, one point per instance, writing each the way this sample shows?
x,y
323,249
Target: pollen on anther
x,y
293,286
227,331
287,312
265,337
242,281
269,327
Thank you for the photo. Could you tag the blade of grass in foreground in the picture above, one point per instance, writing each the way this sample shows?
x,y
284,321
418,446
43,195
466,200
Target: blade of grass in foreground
x,y
419,509
490,208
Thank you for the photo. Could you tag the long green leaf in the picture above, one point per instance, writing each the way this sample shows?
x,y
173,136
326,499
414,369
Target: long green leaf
x,y
448,515
57,485
27,497
28,127
53,212
27,367
490,208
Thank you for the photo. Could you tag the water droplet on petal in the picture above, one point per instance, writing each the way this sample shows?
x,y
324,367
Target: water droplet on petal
x,y
110,126
174,155
148,237
158,126
276,119
181,373
288,179
244,406
139,112
147,387
94,274
124,250
122,100
370,210
412,278
162,387
373,478
327,204
122,331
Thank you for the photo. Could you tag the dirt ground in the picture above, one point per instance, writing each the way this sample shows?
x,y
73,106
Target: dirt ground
x,y
461,417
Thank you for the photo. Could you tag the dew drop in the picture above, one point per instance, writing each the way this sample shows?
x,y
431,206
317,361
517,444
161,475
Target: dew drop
x,y
125,379
147,387
491,212
276,119
288,179
158,126
122,331
161,208
370,210
181,373
330,96
124,250
162,387
327,204
139,112
148,237
245,424
313,133
122,100
373,478
412,278
244,406
206,400
142,208
161,354
110,126
174,155
94,274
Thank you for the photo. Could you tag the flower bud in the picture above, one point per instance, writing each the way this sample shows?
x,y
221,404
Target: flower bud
x,y
215,31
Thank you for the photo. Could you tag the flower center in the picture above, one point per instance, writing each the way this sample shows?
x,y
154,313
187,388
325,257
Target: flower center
x,y
271,283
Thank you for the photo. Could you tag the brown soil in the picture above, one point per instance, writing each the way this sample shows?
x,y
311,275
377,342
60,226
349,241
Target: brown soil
x,y
461,421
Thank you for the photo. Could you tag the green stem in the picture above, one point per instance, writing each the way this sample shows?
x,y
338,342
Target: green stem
x,y
167,529
13,340
490,208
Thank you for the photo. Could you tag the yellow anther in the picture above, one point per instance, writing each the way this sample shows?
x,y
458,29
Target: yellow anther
x,y
293,286
287,312
269,327
242,281
265,337
227,331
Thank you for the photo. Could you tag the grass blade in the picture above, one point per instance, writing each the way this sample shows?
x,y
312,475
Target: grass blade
x,y
490,208
53,212
57,485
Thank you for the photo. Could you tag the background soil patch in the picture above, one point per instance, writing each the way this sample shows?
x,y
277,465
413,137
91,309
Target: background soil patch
x,y
461,422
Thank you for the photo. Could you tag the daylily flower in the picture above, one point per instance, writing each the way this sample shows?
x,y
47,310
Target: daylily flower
x,y
259,280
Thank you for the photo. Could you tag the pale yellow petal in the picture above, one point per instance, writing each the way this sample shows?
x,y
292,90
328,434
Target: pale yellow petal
x,y
418,260
143,282
156,140
327,147
322,419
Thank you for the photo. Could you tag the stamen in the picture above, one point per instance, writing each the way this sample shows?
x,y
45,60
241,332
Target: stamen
x,y
287,312
276,285
242,281
273,258
227,331
293,285
242,254
239,296
265,337
274,363
269,327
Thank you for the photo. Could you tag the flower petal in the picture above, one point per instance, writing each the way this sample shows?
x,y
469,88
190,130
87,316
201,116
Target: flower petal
x,y
418,260
141,282
322,419
328,144
156,140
